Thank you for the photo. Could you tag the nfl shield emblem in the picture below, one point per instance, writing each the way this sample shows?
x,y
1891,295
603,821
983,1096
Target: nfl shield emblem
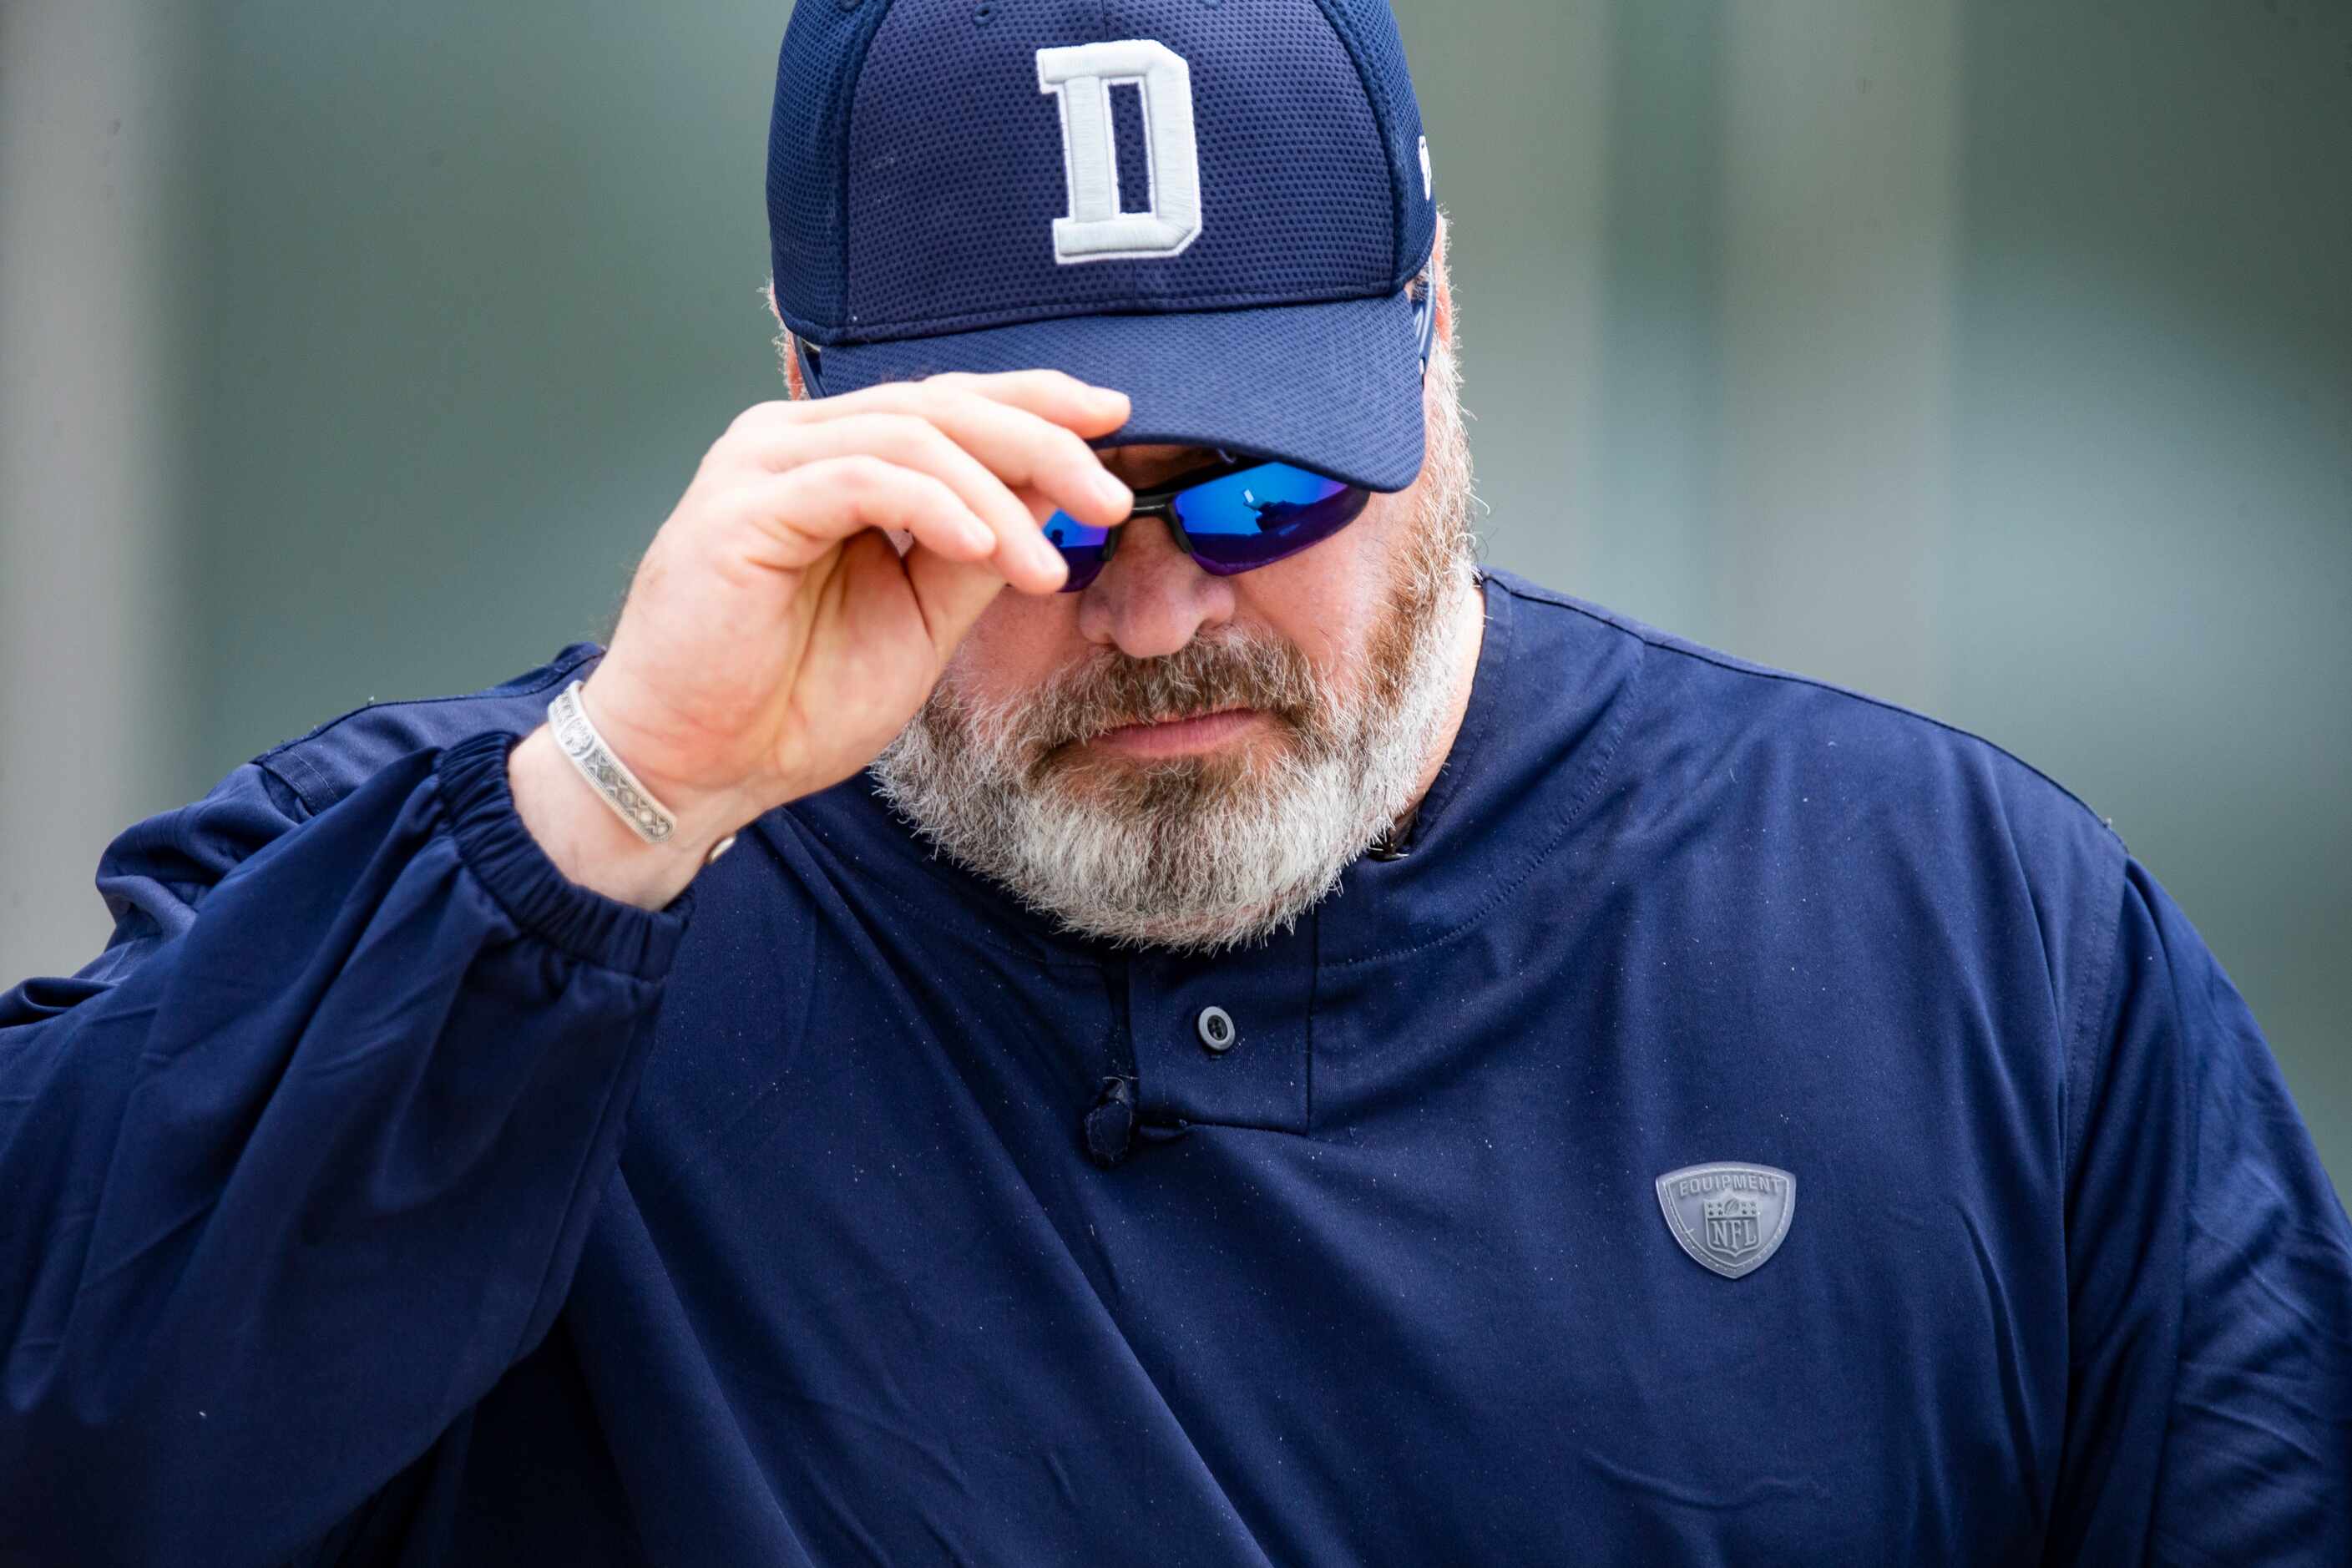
x,y
1729,1217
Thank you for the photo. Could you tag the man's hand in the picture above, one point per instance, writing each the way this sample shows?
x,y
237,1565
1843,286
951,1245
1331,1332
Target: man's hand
x,y
775,640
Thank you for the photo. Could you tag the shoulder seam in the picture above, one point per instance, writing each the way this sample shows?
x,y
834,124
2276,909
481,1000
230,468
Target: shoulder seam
x,y
2079,1069
1698,654
301,798
287,754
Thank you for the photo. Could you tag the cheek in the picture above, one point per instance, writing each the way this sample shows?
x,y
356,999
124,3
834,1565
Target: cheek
x,y
1329,599
1019,641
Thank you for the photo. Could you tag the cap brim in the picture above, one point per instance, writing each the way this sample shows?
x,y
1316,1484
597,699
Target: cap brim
x,y
1333,387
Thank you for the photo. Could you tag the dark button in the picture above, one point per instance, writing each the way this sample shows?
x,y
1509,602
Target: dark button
x,y
1216,1027
1109,1124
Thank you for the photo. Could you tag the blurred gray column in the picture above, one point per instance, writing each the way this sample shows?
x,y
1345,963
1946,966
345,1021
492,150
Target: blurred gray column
x,y
1518,101
1841,171
1657,517
87,636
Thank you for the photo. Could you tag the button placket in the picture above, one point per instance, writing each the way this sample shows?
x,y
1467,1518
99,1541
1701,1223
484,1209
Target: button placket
x,y
1225,1039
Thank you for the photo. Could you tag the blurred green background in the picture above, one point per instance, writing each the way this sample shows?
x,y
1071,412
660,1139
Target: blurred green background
x,y
1992,357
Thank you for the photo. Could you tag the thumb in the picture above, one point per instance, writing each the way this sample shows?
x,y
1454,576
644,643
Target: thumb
x,y
951,594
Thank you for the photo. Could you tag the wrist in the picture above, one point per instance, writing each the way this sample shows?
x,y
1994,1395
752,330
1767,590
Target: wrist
x,y
646,738
592,844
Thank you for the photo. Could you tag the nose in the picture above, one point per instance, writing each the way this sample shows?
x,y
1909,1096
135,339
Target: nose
x,y
1151,599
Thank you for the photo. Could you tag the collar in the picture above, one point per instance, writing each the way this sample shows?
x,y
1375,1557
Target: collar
x,y
1555,684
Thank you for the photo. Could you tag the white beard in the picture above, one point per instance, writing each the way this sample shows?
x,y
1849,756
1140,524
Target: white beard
x,y
1203,853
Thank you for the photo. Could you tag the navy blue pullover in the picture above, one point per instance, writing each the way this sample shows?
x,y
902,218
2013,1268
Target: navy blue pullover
x,y
380,1196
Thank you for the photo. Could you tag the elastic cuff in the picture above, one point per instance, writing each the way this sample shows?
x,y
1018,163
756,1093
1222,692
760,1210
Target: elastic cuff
x,y
501,852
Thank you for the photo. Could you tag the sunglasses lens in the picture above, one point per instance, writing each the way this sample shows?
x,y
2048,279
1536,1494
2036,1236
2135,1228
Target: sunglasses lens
x,y
1085,549
1261,514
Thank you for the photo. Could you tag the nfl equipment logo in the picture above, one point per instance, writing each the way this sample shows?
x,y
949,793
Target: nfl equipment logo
x,y
1731,1230
1729,1217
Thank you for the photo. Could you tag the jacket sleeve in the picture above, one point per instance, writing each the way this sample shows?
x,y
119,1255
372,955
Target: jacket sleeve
x,y
302,1163
2209,1263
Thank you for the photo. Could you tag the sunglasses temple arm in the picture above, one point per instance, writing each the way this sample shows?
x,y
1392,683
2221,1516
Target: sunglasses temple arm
x,y
1424,319
812,372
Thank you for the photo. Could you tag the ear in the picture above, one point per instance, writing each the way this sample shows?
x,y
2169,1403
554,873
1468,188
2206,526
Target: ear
x,y
785,357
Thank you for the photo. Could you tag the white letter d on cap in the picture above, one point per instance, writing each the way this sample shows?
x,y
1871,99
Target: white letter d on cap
x,y
1081,76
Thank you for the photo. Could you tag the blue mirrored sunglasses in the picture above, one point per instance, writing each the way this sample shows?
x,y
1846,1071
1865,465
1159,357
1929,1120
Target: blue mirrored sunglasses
x,y
1234,515
1230,517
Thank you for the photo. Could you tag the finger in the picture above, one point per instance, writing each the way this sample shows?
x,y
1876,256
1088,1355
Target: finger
x,y
1022,554
1025,449
950,595
798,515
1085,407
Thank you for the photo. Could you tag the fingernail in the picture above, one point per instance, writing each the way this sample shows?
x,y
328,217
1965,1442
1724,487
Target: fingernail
x,y
1111,491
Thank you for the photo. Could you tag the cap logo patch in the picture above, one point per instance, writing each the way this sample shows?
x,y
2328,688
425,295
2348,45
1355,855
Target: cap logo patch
x,y
1729,1217
1080,76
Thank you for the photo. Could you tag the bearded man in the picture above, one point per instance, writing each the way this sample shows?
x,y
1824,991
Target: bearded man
x,y
1262,1042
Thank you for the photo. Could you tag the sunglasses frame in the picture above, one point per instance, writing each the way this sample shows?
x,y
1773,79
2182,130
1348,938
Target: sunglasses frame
x,y
1160,500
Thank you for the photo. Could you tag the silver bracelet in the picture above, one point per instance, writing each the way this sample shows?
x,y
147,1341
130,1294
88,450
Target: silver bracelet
x,y
610,777
606,773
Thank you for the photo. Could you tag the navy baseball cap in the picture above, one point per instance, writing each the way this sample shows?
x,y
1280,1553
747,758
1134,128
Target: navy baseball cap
x,y
1217,207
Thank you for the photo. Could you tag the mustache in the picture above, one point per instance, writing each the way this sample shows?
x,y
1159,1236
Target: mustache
x,y
1208,675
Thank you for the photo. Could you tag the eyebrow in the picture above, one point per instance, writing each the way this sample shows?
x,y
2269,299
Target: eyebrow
x,y
1178,460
